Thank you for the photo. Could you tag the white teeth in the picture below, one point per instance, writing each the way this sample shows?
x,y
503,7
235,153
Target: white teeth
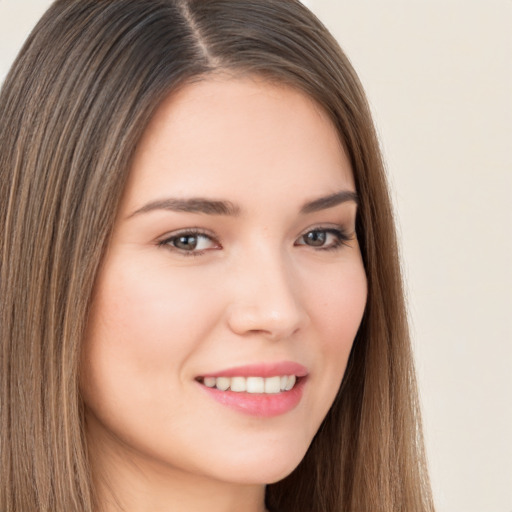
x,y
268,385
238,384
290,383
273,385
210,382
255,385
223,383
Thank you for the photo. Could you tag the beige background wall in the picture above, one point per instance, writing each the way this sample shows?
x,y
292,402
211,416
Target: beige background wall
x,y
439,78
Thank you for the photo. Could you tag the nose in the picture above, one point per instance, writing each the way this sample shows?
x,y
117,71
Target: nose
x,y
266,300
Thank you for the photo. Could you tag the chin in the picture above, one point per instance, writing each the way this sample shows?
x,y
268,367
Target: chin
x,y
265,468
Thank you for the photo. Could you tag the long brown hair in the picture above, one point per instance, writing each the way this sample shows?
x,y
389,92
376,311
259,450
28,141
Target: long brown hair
x,y
72,110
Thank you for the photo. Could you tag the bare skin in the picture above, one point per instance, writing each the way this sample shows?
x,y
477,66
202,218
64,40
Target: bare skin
x,y
234,245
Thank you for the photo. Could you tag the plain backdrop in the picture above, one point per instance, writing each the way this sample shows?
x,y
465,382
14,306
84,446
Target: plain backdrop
x,y
438,75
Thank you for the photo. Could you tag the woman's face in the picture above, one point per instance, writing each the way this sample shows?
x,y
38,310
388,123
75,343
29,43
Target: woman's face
x,y
233,262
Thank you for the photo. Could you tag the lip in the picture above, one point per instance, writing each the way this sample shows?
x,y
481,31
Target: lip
x,y
260,404
262,370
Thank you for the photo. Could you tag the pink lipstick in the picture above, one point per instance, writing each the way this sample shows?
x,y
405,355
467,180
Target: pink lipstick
x,y
264,390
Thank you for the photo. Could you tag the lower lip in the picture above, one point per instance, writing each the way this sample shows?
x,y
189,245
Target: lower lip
x,y
259,404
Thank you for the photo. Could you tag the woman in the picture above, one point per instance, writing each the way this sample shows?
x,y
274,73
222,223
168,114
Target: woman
x,y
201,300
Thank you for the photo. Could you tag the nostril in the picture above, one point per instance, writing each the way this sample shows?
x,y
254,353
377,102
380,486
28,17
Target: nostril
x,y
266,320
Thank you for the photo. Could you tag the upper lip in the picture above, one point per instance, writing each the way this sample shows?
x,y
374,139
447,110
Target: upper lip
x,y
262,370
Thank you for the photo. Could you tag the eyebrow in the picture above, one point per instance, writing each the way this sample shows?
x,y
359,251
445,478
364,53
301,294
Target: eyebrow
x,y
191,205
221,207
323,203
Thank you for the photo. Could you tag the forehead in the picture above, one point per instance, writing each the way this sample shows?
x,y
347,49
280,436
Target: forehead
x,y
239,137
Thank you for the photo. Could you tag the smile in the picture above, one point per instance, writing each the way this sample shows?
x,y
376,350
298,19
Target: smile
x,y
263,390
238,384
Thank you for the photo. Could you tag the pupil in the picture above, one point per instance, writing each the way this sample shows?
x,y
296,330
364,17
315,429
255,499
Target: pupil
x,y
186,242
316,238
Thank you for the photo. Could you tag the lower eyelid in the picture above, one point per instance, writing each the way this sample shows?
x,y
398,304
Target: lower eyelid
x,y
339,240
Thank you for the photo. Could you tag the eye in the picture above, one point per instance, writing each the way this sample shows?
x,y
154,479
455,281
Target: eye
x,y
324,238
190,242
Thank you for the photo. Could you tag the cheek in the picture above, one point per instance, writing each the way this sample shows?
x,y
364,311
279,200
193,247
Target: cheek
x,y
144,327
336,309
151,311
338,303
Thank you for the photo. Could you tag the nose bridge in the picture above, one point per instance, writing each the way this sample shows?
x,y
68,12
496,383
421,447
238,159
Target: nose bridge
x,y
266,298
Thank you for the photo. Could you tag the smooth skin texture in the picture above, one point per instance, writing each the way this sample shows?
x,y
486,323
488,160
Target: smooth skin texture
x,y
182,294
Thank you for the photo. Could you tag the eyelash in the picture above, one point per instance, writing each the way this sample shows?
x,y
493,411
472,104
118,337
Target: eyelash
x,y
341,239
168,242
